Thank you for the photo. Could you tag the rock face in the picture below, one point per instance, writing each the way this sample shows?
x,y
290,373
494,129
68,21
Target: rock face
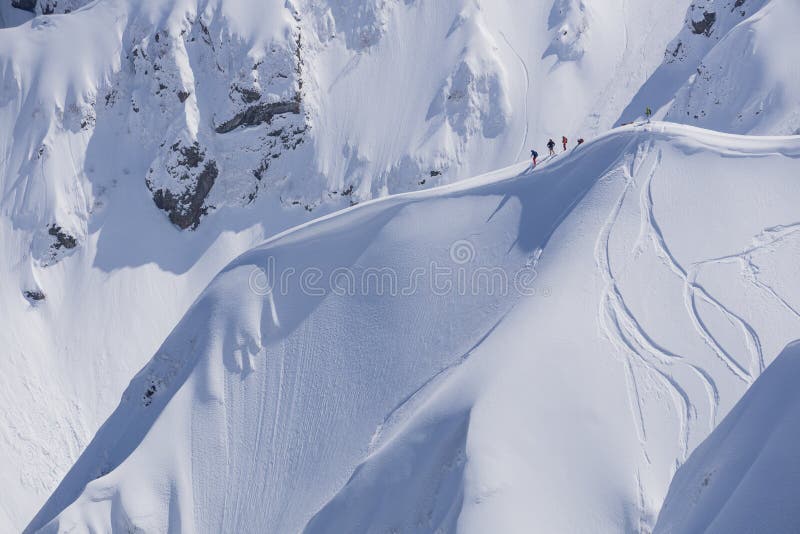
x,y
704,25
49,7
62,239
707,22
258,114
28,5
245,117
193,176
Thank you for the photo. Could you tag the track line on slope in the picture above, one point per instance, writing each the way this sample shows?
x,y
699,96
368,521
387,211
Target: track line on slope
x,y
399,408
752,341
663,252
527,92
765,239
629,337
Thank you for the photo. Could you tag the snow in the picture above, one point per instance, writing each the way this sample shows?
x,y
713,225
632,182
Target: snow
x,y
90,102
460,409
305,107
732,68
744,476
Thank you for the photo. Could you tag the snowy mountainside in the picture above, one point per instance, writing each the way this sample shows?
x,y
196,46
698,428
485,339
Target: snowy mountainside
x,y
732,68
639,305
744,477
146,144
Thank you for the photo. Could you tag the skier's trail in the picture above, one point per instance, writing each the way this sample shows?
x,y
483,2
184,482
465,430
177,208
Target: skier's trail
x,y
690,288
626,333
527,89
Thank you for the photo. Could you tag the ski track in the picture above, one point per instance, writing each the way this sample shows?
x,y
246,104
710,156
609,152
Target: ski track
x,y
764,240
689,288
527,91
644,358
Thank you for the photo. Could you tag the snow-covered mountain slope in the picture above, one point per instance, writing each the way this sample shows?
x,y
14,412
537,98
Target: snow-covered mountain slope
x,y
744,477
734,67
122,121
544,361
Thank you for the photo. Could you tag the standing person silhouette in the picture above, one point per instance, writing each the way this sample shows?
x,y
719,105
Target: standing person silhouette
x,y
564,142
551,145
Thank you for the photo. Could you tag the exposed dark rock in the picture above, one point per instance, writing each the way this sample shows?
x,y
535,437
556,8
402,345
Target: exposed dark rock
x,y
190,156
259,114
436,173
183,95
34,295
63,239
186,208
147,398
247,94
704,26
27,5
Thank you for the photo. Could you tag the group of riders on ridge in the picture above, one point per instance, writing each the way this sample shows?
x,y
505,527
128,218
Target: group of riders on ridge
x,y
551,145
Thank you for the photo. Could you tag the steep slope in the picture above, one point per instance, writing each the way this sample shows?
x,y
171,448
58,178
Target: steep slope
x,y
744,476
543,361
146,144
732,68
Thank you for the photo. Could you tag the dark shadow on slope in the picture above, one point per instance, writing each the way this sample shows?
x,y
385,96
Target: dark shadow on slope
x,y
744,476
153,387
657,91
549,194
413,482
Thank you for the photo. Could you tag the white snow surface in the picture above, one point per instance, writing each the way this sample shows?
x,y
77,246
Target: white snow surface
x,y
744,477
648,288
395,96
106,105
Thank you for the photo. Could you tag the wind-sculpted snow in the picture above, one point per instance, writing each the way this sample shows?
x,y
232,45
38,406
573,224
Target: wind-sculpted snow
x,y
544,361
744,476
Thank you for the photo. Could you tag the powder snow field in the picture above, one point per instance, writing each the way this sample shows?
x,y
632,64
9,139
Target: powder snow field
x,y
744,477
297,109
101,107
649,285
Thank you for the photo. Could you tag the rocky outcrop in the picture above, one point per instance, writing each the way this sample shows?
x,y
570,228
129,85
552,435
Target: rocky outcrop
x,y
62,239
49,7
258,114
34,295
193,176
27,5
704,25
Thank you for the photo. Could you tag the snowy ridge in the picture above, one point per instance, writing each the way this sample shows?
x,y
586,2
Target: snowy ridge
x,y
569,382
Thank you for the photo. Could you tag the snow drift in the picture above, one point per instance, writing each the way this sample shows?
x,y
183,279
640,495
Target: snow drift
x,y
744,477
589,324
